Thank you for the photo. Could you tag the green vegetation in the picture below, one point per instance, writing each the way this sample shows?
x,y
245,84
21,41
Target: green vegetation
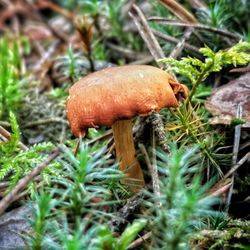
x,y
182,202
78,201
16,162
10,94
197,71
83,198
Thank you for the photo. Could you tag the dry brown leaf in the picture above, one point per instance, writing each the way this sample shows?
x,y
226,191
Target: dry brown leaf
x,y
224,101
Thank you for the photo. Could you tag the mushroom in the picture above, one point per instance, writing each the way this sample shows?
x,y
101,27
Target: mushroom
x,y
112,97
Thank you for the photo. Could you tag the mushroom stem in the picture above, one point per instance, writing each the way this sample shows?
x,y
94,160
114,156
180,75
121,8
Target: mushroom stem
x,y
125,153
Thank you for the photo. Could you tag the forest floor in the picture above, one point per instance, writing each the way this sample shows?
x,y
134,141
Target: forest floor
x,y
68,190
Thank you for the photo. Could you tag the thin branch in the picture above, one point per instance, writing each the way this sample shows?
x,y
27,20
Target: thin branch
x,y
236,147
180,46
7,135
147,35
145,60
52,49
225,183
3,139
240,70
237,165
153,171
128,53
198,4
237,134
220,191
5,124
10,197
196,26
175,41
179,11
45,121
140,240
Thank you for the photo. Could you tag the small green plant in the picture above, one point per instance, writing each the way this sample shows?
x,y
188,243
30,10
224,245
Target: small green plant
x,y
227,14
10,93
15,162
49,234
106,239
113,12
41,211
83,202
191,122
218,221
181,203
190,126
85,180
72,64
217,15
197,71
114,16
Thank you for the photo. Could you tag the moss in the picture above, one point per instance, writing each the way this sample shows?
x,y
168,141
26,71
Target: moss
x,y
235,236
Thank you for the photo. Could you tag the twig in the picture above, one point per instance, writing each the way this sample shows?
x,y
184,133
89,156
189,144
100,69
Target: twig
x,y
223,183
235,155
140,240
47,55
44,121
237,165
196,26
179,11
179,47
198,4
4,123
112,147
145,60
7,135
3,139
175,41
6,184
147,35
153,171
128,53
220,191
21,195
240,70
8,199
237,135
245,145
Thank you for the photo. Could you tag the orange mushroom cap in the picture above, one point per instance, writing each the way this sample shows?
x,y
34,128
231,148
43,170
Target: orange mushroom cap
x,y
115,93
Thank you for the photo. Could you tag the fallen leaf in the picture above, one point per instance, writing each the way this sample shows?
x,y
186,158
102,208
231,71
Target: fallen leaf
x,y
224,101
